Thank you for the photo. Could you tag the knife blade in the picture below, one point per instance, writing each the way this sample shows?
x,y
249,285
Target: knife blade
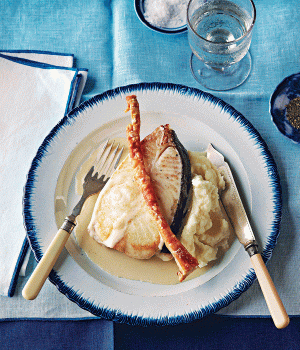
x,y
231,200
233,206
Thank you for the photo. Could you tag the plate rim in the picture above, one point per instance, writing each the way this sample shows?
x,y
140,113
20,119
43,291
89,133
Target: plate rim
x,y
115,315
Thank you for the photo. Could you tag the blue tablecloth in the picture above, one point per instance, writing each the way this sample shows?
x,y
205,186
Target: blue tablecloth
x,y
213,333
107,38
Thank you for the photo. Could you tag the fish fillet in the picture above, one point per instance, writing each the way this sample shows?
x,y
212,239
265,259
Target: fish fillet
x,y
121,219
185,261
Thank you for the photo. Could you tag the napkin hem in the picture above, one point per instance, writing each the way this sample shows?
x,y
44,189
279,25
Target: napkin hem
x,y
78,79
73,92
35,64
39,52
15,275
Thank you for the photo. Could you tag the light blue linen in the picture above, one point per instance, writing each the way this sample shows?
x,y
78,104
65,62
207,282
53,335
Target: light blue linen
x,y
108,39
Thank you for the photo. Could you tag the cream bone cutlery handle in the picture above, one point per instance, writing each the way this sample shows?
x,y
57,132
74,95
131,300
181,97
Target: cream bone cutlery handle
x,y
45,265
274,303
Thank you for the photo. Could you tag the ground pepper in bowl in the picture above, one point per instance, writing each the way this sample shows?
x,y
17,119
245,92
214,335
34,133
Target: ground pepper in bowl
x,y
293,112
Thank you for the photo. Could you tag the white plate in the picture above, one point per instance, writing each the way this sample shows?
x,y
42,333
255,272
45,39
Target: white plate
x,y
198,118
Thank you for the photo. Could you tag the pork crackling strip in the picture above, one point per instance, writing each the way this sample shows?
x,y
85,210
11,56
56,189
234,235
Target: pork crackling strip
x,y
184,260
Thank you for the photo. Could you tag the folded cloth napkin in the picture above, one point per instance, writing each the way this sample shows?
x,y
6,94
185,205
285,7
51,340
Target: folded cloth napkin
x,y
36,90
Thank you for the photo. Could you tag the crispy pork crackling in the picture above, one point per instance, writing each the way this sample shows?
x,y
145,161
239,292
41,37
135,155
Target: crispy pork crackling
x,y
184,260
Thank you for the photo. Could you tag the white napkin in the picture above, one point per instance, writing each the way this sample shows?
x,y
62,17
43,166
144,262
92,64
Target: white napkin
x,y
36,90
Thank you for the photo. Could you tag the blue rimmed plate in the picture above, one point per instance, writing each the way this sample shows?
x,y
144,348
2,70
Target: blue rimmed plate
x,y
284,93
198,118
140,11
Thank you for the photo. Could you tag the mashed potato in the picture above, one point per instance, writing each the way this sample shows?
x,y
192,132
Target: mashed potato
x,y
205,230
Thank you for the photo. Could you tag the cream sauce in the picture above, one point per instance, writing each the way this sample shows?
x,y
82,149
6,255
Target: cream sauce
x,y
152,270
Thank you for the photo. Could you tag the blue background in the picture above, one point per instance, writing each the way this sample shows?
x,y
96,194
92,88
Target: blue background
x,y
107,38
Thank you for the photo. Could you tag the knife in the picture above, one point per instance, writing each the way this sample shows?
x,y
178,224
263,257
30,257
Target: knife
x,y
236,213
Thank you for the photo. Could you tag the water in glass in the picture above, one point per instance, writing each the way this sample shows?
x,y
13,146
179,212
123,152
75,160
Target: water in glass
x,y
223,26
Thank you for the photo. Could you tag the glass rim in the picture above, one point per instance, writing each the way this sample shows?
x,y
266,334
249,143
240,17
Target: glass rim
x,y
229,42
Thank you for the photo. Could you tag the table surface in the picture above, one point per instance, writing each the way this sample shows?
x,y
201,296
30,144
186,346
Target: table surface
x,y
107,38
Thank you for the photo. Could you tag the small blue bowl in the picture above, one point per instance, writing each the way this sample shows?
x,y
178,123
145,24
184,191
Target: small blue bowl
x,y
140,11
285,92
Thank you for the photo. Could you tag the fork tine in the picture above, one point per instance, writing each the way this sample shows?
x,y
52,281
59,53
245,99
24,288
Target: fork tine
x,y
101,166
102,156
107,160
118,157
100,153
89,174
114,161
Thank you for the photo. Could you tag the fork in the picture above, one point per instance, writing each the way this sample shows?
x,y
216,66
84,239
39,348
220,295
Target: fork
x,y
105,163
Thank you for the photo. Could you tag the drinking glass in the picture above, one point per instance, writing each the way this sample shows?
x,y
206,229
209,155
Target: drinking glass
x,y
219,34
